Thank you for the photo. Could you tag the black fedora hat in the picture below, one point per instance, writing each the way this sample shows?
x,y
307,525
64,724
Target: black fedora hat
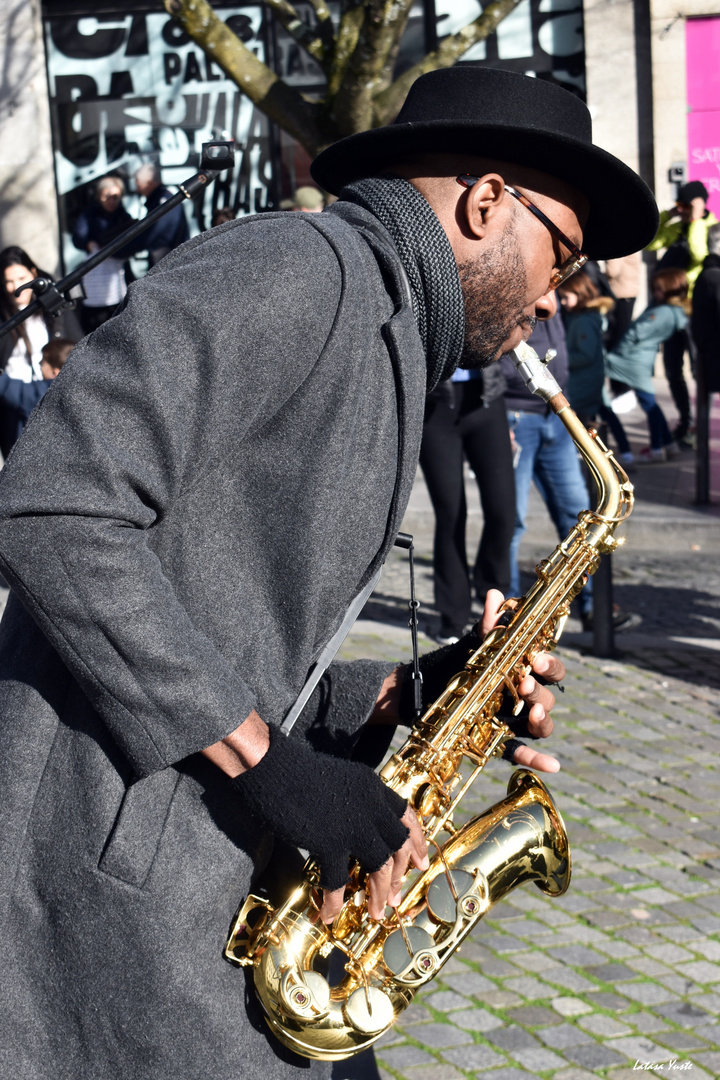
x,y
492,113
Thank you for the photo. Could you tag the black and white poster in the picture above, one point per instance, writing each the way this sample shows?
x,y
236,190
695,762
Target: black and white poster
x,y
132,88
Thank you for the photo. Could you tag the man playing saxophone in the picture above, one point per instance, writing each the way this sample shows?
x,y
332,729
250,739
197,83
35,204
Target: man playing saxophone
x,y
212,478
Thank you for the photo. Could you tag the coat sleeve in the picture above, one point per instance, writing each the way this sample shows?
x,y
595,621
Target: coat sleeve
x,y
126,426
667,234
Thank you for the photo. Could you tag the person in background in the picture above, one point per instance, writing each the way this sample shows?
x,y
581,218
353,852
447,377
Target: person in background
x,y
21,349
683,233
623,276
465,419
220,216
97,226
584,313
20,398
309,200
169,231
705,320
632,362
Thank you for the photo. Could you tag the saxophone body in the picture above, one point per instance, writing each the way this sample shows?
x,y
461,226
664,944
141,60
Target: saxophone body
x,y
519,840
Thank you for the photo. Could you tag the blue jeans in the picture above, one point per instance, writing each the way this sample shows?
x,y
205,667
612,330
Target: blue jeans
x,y
549,457
659,431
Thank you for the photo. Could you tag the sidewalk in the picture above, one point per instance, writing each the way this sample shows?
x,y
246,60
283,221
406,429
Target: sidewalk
x,y
624,970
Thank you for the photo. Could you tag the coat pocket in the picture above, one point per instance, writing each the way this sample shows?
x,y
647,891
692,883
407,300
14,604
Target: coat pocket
x,y
138,828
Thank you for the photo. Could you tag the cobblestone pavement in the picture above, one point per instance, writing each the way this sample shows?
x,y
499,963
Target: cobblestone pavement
x,y
623,971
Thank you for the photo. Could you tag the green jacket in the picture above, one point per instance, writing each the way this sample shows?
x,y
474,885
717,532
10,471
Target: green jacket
x,y
633,359
670,232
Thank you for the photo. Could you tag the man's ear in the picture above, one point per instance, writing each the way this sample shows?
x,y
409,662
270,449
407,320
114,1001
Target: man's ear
x,y
482,203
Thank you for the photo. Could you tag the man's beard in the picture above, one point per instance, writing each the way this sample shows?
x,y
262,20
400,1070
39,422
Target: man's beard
x,y
494,289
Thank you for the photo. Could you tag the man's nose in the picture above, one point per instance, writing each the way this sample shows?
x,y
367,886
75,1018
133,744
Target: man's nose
x,y
546,306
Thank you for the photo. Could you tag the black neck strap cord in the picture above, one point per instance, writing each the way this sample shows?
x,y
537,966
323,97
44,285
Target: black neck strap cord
x,y
405,540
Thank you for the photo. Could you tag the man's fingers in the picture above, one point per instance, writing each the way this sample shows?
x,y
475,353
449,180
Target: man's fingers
x,y
531,759
549,666
332,903
493,600
418,847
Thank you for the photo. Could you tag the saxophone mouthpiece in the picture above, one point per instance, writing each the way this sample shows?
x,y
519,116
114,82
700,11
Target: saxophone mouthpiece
x,y
534,371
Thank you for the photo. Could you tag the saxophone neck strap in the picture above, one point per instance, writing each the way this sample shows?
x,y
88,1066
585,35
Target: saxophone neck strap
x,y
328,654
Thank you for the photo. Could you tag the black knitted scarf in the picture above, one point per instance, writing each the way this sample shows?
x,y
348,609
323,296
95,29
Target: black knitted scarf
x,y
429,263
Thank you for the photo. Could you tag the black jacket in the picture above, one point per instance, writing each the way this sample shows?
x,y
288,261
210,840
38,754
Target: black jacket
x,y
549,334
705,322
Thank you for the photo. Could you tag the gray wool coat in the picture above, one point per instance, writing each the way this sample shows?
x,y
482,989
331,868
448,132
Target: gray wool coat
x,y
183,524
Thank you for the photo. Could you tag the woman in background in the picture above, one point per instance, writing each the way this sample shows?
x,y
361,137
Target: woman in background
x,y
633,359
21,349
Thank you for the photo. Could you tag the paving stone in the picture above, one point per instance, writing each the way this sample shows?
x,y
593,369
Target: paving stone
x,y
610,973
711,1002
647,1023
638,1048
577,955
436,1072
470,982
671,954
700,971
678,1041
400,1057
647,993
606,1027
474,1057
538,1060
574,1074
645,965
446,1000
563,1035
571,1006
439,1035
571,980
476,1020
416,1014
593,1057
608,1001
531,989
512,1038
509,1074
531,1015
710,1061
683,1013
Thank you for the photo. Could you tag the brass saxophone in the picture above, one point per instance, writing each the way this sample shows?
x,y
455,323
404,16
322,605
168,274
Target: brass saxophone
x,y
520,839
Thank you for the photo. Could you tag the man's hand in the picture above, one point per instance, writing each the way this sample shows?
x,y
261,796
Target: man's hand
x,y
538,696
383,887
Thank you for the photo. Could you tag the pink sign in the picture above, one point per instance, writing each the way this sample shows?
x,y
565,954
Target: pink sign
x,y
702,41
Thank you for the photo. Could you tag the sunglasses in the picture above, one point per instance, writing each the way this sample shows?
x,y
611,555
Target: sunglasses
x,y
577,258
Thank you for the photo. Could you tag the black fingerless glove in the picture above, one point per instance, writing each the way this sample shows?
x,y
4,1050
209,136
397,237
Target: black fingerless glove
x,y
437,669
337,810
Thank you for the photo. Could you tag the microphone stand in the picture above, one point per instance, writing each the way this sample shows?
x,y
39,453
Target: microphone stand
x,y
51,296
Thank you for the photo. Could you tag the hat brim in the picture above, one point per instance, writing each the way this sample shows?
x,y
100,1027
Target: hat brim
x,y
623,214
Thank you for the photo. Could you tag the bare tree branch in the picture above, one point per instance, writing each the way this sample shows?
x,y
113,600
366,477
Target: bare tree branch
x,y
280,102
319,47
370,68
388,102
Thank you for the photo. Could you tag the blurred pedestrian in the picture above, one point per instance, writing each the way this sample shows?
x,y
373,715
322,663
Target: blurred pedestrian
x,y
101,222
309,200
584,313
633,360
683,233
705,319
19,398
170,230
221,215
21,349
465,420
623,276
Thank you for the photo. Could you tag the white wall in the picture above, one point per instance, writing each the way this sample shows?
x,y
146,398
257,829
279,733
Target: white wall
x,y
28,213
